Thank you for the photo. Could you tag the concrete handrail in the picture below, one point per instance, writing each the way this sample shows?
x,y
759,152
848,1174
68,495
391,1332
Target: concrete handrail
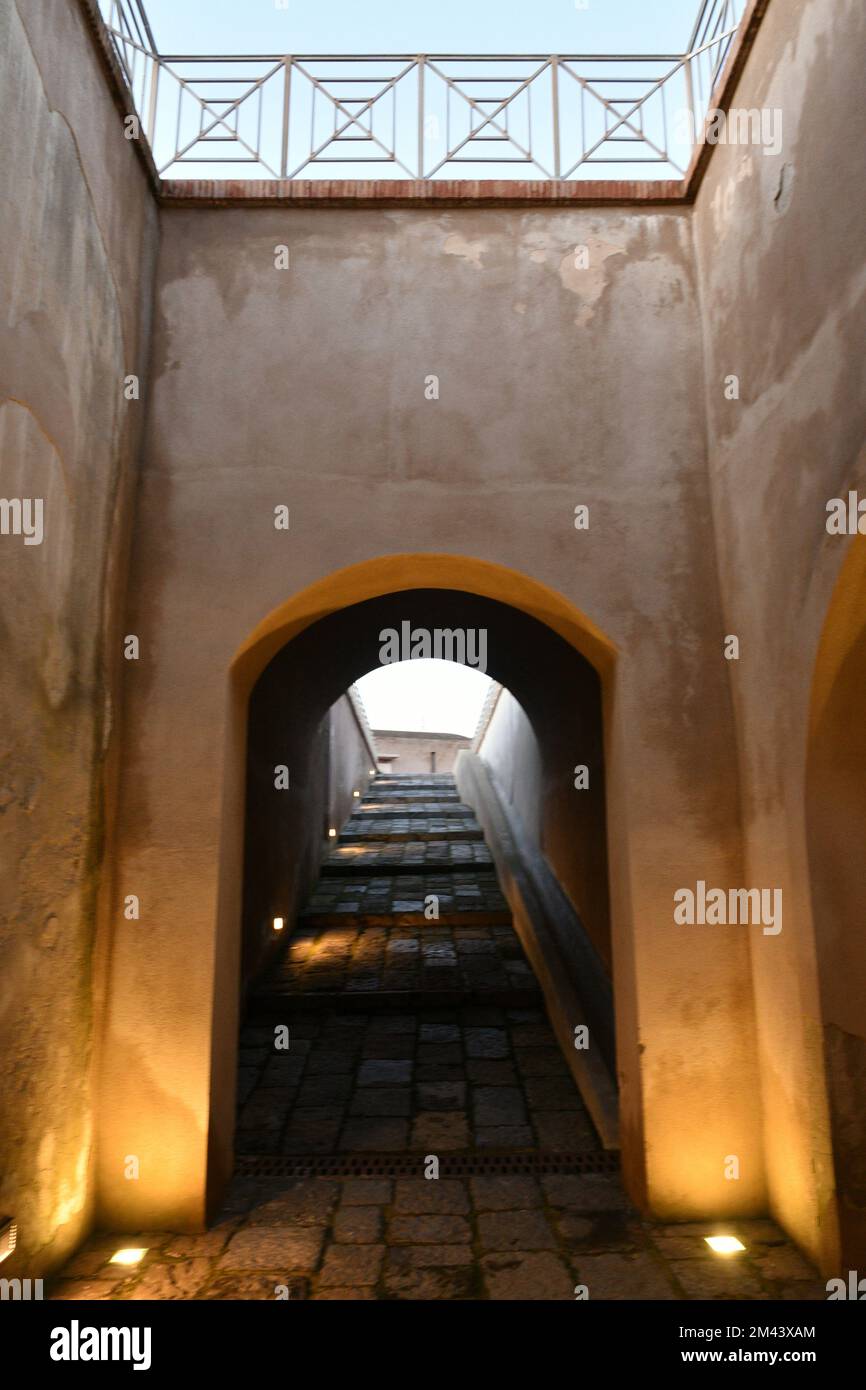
x,y
525,881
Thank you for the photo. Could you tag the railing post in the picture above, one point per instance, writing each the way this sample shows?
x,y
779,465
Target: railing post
x,y
690,98
421,58
287,96
554,80
151,109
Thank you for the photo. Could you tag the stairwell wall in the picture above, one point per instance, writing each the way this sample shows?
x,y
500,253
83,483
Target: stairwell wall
x,y
78,232
782,274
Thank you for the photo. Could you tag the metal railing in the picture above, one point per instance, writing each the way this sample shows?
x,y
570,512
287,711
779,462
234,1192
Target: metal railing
x,y
422,116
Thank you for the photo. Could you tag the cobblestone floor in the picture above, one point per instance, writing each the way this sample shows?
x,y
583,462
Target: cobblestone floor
x,y
379,1074
468,1238
430,1082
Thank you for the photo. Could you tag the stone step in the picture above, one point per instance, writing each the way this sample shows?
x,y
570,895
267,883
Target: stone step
x,y
408,917
421,959
382,828
460,893
434,781
399,855
417,808
271,1003
419,794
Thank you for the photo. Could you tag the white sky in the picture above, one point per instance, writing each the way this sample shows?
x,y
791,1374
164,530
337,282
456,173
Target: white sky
x,y
440,697
405,26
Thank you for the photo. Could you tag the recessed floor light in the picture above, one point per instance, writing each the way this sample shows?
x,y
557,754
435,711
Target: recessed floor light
x,y
724,1245
127,1257
8,1236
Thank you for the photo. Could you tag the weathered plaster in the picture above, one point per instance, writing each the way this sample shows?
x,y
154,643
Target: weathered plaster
x,y
75,295
782,289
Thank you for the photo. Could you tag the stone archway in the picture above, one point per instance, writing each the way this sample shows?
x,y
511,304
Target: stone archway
x,y
343,591
836,830
171,1013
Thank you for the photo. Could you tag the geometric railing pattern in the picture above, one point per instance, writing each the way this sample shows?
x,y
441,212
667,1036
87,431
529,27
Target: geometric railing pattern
x,y
422,116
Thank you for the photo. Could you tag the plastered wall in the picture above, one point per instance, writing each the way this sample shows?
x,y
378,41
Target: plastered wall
x,y
302,772
79,231
431,393
779,245
409,754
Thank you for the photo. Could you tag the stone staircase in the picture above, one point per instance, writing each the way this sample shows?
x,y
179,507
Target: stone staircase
x,y
407,911
416,1023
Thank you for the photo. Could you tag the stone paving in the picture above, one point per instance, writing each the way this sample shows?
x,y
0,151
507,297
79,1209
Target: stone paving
x,y
411,1238
409,1040
428,1082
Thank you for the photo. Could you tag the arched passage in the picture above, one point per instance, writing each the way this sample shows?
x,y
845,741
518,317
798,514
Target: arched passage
x,y
173,1000
297,664
553,683
836,825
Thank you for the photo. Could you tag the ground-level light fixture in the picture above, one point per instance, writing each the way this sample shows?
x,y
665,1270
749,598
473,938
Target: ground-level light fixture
x,y
372,772
279,923
356,793
8,1236
332,834
128,1256
724,1245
